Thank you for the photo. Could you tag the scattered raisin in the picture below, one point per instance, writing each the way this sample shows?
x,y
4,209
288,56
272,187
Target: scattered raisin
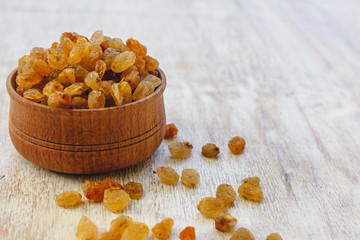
x,y
136,231
190,177
253,180
171,131
162,229
86,230
237,145
110,183
211,207
210,150
115,199
180,149
187,234
225,222
226,193
250,192
68,199
242,234
167,175
109,236
95,192
134,189
120,224
274,236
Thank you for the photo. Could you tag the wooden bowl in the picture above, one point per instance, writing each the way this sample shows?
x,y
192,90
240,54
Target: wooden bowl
x,y
84,141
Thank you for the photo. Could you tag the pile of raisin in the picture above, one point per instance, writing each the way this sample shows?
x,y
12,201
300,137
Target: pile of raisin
x,y
81,73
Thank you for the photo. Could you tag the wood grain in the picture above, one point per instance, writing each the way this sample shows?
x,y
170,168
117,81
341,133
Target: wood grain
x,y
86,141
282,74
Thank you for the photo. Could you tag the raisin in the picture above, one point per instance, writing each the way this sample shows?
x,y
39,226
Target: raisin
x,y
167,175
133,79
144,89
136,231
51,87
40,66
67,76
33,94
190,178
28,77
89,61
210,150
136,47
211,207
140,64
76,89
105,87
253,180
115,199
117,44
59,100
79,51
120,224
187,234
67,45
242,234
225,222
96,99
80,73
97,36
22,61
68,199
151,64
39,53
128,70
20,90
92,80
122,61
226,193
100,68
109,236
180,149
86,230
171,131
237,145
57,58
111,184
162,229
250,192
72,36
79,102
109,56
153,79
95,192
274,236
134,189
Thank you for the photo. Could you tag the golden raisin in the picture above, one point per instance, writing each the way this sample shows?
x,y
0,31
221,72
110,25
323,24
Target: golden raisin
x,y
236,145
68,199
86,185
153,79
79,51
190,177
109,56
86,229
111,184
96,99
132,78
274,236
105,87
211,207
95,192
115,199
76,89
134,189
120,224
109,236
187,234
151,63
122,61
39,66
253,180
97,36
144,89
171,131
92,80
162,229
226,193
22,61
136,47
225,222
79,102
33,94
136,231
210,150
167,175
242,234
57,58
52,87
250,192
59,100
100,68
121,93
180,149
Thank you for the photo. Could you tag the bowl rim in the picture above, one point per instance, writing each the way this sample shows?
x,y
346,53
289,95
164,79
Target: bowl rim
x,y
11,82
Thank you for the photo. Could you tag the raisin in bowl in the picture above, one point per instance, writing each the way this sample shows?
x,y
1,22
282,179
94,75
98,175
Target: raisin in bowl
x,y
85,141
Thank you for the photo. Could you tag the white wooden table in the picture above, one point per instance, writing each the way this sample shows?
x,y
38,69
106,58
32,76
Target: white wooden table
x,y
285,75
